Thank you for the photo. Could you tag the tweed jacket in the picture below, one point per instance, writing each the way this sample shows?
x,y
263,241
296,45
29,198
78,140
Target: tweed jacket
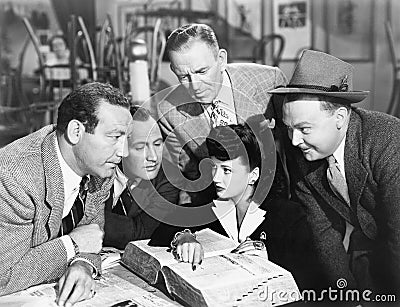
x,y
152,200
31,207
372,166
186,126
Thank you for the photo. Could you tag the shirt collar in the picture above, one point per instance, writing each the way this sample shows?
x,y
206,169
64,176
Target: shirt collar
x,y
71,179
225,93
339,155
226,214
121,181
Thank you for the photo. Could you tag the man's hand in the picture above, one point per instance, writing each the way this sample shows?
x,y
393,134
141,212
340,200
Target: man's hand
x,y
188,249
88,237
76,284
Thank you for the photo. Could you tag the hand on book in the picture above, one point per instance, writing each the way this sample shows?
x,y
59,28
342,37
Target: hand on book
x,y
251,247
188,249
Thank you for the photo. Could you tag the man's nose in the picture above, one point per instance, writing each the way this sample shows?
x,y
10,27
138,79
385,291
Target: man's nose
x,y
195,82
216,175
122,150
296,137
151,154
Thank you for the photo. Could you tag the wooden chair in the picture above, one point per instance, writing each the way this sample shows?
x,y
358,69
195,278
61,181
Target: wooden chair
x,y
276,45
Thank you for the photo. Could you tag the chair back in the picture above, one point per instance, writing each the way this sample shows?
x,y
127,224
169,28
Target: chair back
x,y
275,43
390,38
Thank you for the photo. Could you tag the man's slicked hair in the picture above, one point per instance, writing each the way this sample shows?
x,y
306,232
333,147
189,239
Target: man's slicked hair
x,y
182,37
82,104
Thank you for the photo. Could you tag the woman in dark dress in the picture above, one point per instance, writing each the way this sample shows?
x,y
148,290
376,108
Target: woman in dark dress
x,y
281,224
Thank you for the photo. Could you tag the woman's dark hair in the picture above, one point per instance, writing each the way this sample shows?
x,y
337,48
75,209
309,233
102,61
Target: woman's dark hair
x,y
83,103
233,141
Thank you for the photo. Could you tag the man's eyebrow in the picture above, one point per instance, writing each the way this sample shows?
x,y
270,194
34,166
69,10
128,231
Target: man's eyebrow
x,y
303,123
117,130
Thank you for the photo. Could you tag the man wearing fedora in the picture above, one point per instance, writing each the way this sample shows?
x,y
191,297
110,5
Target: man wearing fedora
x,y
346,173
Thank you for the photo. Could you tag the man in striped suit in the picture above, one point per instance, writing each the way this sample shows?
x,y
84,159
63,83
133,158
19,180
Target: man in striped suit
x,y
53,184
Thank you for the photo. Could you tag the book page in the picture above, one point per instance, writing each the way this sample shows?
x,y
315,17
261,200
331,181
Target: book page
x,y
110,257
214,243
227,279
110,290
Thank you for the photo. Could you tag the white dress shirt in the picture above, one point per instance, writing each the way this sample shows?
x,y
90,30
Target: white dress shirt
x,y
71,189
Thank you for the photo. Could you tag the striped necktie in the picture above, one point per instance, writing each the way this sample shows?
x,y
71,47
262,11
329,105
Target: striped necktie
x,y
220,115
124,203
338,185
76,213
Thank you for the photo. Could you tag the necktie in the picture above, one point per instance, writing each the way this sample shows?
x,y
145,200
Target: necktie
x,y
219,115
78,208
338,185
124,203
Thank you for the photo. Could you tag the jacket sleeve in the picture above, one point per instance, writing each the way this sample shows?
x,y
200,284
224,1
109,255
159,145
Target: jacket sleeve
x,y
385,167
121,229
24,265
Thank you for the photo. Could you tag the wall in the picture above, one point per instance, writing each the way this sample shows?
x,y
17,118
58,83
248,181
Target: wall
x,y
374,75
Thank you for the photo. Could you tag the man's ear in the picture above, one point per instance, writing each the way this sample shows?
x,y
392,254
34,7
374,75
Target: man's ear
x,y
222,59
254,175
341,117
75,130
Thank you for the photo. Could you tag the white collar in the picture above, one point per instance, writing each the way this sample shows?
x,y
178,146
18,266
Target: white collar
x,y
339,156
120,182
225,93
225,211
71,179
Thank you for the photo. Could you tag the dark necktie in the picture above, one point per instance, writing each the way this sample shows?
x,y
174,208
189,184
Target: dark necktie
x,y
338,185
124,203
76,213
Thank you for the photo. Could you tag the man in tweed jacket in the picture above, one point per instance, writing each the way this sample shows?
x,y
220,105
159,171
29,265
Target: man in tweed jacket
x,y
40,175
202,69
357,233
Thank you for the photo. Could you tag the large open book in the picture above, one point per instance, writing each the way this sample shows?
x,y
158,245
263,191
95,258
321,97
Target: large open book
x,y
223,279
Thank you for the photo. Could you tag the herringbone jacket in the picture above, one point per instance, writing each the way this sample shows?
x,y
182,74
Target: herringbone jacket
x,y
31,206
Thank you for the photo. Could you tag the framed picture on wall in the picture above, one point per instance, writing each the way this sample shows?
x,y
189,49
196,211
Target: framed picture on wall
x,y
292,20
349,29
246,15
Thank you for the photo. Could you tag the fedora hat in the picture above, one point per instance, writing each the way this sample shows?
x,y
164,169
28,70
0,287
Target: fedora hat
x,y
322,74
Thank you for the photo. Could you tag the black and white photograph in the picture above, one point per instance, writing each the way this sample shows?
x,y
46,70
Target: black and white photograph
x,y
205,153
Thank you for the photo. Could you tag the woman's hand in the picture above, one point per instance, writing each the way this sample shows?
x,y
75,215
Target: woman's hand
x,y
188,249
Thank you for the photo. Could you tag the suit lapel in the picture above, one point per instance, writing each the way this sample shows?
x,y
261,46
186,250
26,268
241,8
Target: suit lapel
x,y
226,214
54,189
253,218
317,179
191,120
356,176
243,95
